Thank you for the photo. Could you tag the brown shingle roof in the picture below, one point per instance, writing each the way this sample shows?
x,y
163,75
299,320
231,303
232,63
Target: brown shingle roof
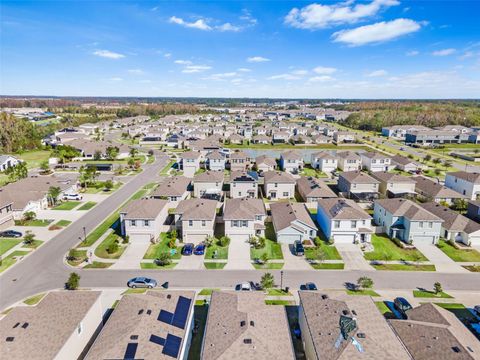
x,y
434,189
473,177
452,220
285,213
385,176
358,177
313,187
278,177
243,209
209,176
144,208
407,208
343,209
173,186
197,209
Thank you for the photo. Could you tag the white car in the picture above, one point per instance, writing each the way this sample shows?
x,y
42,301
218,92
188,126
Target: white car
x,y
72,197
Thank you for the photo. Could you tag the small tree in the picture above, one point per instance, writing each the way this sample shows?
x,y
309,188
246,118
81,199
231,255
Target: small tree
x,y
428,157
44,166
365,282
53,194
173,234
436,161
437,288
437,171
267,281
29,215
164,259
131,162
460,205
73,281
224,241
97,155
28,238
108,185
113,247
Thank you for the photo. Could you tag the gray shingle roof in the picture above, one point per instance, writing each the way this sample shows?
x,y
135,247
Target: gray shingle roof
x,y
285,213
243,209
452,220
278,177
343,209
407,208
197,209
144,208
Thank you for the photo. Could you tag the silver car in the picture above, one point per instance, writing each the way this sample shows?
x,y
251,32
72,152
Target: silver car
x,y
141,282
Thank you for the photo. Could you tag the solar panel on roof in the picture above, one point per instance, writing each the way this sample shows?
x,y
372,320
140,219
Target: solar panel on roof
x,y
157,340
172,346
165,317
130,351
181,312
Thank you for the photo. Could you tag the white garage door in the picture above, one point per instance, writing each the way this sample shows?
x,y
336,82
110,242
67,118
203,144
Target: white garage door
x,y
344,238
423,240
239,237
288,238
195,238
140,238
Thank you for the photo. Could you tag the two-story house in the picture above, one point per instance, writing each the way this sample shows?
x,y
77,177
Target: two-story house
x,y
405,164
312,189
215,161
195,219
375,161
344,137
6,214
190,163
291,161
358,185
174,189
324,162
209,185
265,163
292,222
244,218
243,184
348,161
394,185
465,183
433,191
278,185
239,161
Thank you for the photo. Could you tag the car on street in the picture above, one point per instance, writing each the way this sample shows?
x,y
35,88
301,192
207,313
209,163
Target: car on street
x,y
298,248
142,282
72,197
187,249
11,234
476,308
244,286
309,286
199,249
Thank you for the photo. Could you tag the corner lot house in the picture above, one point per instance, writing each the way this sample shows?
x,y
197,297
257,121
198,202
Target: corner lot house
x,y
312,189
244,218
349,161
405,164
243,184
324,162
291,161
215,161
144,219
153,325
394,185
7,161
173,189
367,335
344,221
407,221
241,326
195,219
358,185
455,226
208,184
58,327
278,185
190,163
432,190
465,183
291,222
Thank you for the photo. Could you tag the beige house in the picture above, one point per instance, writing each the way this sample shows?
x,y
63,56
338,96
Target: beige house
x,y
278,185
239,161
59,327
312,189
195,219
190,163
243,184
244,218
241,326
358,185
375,161
341,137
265,163
209,185
291,161
292,222
394,185
349,161
324,162
174,189
432,190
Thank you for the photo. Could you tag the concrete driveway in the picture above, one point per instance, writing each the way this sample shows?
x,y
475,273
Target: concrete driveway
x,y
239,256
192,262
293,262
438,258
133,255
353,257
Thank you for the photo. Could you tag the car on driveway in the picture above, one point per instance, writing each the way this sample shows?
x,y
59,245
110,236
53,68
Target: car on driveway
x,y
199,249
402,305
11,234
141,282
72,197
298,248
187,249
309,286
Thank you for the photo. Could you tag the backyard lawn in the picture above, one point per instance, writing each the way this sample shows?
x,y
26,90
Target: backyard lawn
x,y
271,248
87,206
155,250
7,243
67,205
308,171
200,318
34,158
466,255
387,250
101,250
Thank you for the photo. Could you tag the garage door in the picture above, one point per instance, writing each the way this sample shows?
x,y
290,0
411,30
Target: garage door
x,y
195,238
344,238
423,240
140,238
288,238
239,237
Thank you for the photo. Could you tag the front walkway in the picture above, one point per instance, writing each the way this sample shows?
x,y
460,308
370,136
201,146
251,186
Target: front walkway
x,y
353,258
293,262
438,258
239,256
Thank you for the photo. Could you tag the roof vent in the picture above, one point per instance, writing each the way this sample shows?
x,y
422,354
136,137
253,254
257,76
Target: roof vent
x,y
10,339
16,325
247,341
134,337
456,349
140,312
242,323
149,312
169,296
354,312
252,323
25,325
361,335
324,296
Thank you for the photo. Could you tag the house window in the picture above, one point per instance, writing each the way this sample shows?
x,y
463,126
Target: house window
x,y
430,224
235,223
133,223
244,223
190,222
258,217
276,184
285,193
336,224
420,224
204,223
353,224
147,223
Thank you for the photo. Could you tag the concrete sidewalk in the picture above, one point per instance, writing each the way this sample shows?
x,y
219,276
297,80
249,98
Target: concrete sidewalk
x,y
132,256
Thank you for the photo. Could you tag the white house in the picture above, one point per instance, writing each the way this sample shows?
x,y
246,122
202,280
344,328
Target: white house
x,y
375,161
215,161
324,162
190,163
8,161
208,184
465,183
291,161
265,163
244,218
348,161
292,222
278,185
243,184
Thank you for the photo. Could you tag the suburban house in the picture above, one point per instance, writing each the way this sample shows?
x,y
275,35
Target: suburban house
x,y
278,185
143,220
431,332
8,161
292,222
152,325
209,185
291,161
190,163
399,131
261,139
195,219
241,326
338,326
455,227
243,184
324,162
465,183
358,185
433,191
215,161
59,327
473,210
6,214
343,137
375,161
349,161
405,164
344,221
244,218
265,163
89,148
173,189
239,161
280,137
312,189
394,185
407,221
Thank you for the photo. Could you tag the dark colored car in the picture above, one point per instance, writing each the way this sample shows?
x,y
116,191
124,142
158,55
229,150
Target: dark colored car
x,y
309,286
199,249
141,282
187,249
402,305
11,234
298,248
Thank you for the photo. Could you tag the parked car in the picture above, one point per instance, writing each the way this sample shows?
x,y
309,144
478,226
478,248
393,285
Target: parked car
x,y
244,286
199,249
402,305
11,234
72,197
298,248
477,309
187,249
141,282
309,286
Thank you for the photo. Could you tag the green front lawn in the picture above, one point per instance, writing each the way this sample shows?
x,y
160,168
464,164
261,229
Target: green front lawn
x,y
472,268
466,255
271,248
404,267
206,292
328,266
87,206
35,222
387,250
152,265
7,243
98,265
35,244
222,252
330,251
100,230
11,259
430,294
67,205
214,265
367,292
63,223
383,308
269,266
34,299
160,247
101,250
278,292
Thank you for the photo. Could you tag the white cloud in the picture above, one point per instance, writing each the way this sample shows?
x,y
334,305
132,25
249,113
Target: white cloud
x,y
229,27
167,55
183,62
323,78
322,70
466,55
318,16
300,72
247,16
284,77
412,53
376,33
108,54
200,24
444,52
189,69
221,76
136,71
257,59
244,70
115,79
377,73
145,81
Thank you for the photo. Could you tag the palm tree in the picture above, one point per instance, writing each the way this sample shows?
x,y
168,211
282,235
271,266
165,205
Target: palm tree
x,y
53,194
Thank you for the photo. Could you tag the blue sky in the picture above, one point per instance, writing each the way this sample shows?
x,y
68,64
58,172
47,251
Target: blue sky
x,y
324,49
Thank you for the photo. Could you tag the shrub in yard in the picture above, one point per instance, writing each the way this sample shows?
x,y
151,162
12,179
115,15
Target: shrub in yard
x,y
29,215
209,241
365,282
163,259
437,288
267,281
264,258
73,281
28,238
224,241
108,185
113,247
54,227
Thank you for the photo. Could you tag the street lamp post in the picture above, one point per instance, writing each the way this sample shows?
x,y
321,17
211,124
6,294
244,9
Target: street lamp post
x,y
281,280
84,234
